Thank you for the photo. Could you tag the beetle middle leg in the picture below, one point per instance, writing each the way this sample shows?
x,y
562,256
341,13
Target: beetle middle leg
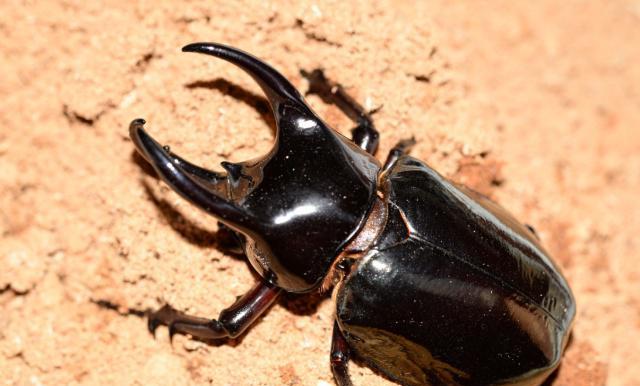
x,y
364,134
400,149
231,323
340,353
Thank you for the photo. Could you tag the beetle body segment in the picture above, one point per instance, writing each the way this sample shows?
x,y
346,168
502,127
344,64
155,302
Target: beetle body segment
x,y
454,291
311,193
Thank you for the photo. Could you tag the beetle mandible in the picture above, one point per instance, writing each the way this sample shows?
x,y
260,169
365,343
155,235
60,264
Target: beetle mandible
x,y
434,283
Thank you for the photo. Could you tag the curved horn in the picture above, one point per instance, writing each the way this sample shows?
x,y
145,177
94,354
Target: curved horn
x,y
171,172
276,87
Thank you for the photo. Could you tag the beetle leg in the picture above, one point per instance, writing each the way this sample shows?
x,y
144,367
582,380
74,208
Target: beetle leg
x,y
400,149
533,231
228,240
340,357
232,321
364,134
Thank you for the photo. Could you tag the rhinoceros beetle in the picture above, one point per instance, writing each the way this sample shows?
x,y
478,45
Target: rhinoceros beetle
x,y
434,283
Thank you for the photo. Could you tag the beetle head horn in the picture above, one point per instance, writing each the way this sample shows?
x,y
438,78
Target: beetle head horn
x,y
189,185
275,86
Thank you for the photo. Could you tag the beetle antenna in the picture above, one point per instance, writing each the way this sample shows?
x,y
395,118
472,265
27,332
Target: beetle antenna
x,y
276,87
189,188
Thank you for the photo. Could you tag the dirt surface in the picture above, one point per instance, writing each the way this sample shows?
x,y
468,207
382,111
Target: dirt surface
x,y
534,103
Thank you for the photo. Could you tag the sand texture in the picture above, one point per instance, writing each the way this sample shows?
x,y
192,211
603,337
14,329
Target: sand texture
x,y
534,103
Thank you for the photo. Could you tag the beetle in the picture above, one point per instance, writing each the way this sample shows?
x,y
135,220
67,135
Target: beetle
x,y
434,284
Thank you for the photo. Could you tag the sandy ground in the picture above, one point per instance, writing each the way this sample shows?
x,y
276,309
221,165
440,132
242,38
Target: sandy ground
x,y
536,103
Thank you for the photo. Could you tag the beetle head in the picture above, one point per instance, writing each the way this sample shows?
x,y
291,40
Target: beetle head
x,y
295,207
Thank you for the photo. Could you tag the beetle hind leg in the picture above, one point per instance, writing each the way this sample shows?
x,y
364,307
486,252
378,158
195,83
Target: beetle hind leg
x,y
364,134
340,353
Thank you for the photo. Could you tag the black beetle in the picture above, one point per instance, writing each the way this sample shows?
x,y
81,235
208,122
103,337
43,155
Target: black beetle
x,y
434,283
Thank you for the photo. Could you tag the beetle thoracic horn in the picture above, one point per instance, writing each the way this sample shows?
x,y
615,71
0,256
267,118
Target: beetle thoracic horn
x,y
185,185
276,87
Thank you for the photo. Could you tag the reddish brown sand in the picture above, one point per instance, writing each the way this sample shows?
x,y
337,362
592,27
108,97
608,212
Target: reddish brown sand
x,y
536,103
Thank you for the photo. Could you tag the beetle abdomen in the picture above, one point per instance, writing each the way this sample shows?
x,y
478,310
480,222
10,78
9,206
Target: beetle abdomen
x,y
443,321
476,230
454,290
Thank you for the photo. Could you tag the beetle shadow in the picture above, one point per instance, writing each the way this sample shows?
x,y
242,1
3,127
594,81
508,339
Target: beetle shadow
x,y
182,225
303,304
257,102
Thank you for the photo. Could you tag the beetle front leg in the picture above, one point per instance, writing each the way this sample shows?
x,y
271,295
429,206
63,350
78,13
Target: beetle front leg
x,y
364,134
340,357
231,323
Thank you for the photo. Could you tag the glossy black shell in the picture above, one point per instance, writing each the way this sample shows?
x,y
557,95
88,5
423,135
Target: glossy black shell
x,y
443,288
311,193
454,291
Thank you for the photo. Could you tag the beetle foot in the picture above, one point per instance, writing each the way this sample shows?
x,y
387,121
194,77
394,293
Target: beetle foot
x,y
175,320
179,322
165,316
